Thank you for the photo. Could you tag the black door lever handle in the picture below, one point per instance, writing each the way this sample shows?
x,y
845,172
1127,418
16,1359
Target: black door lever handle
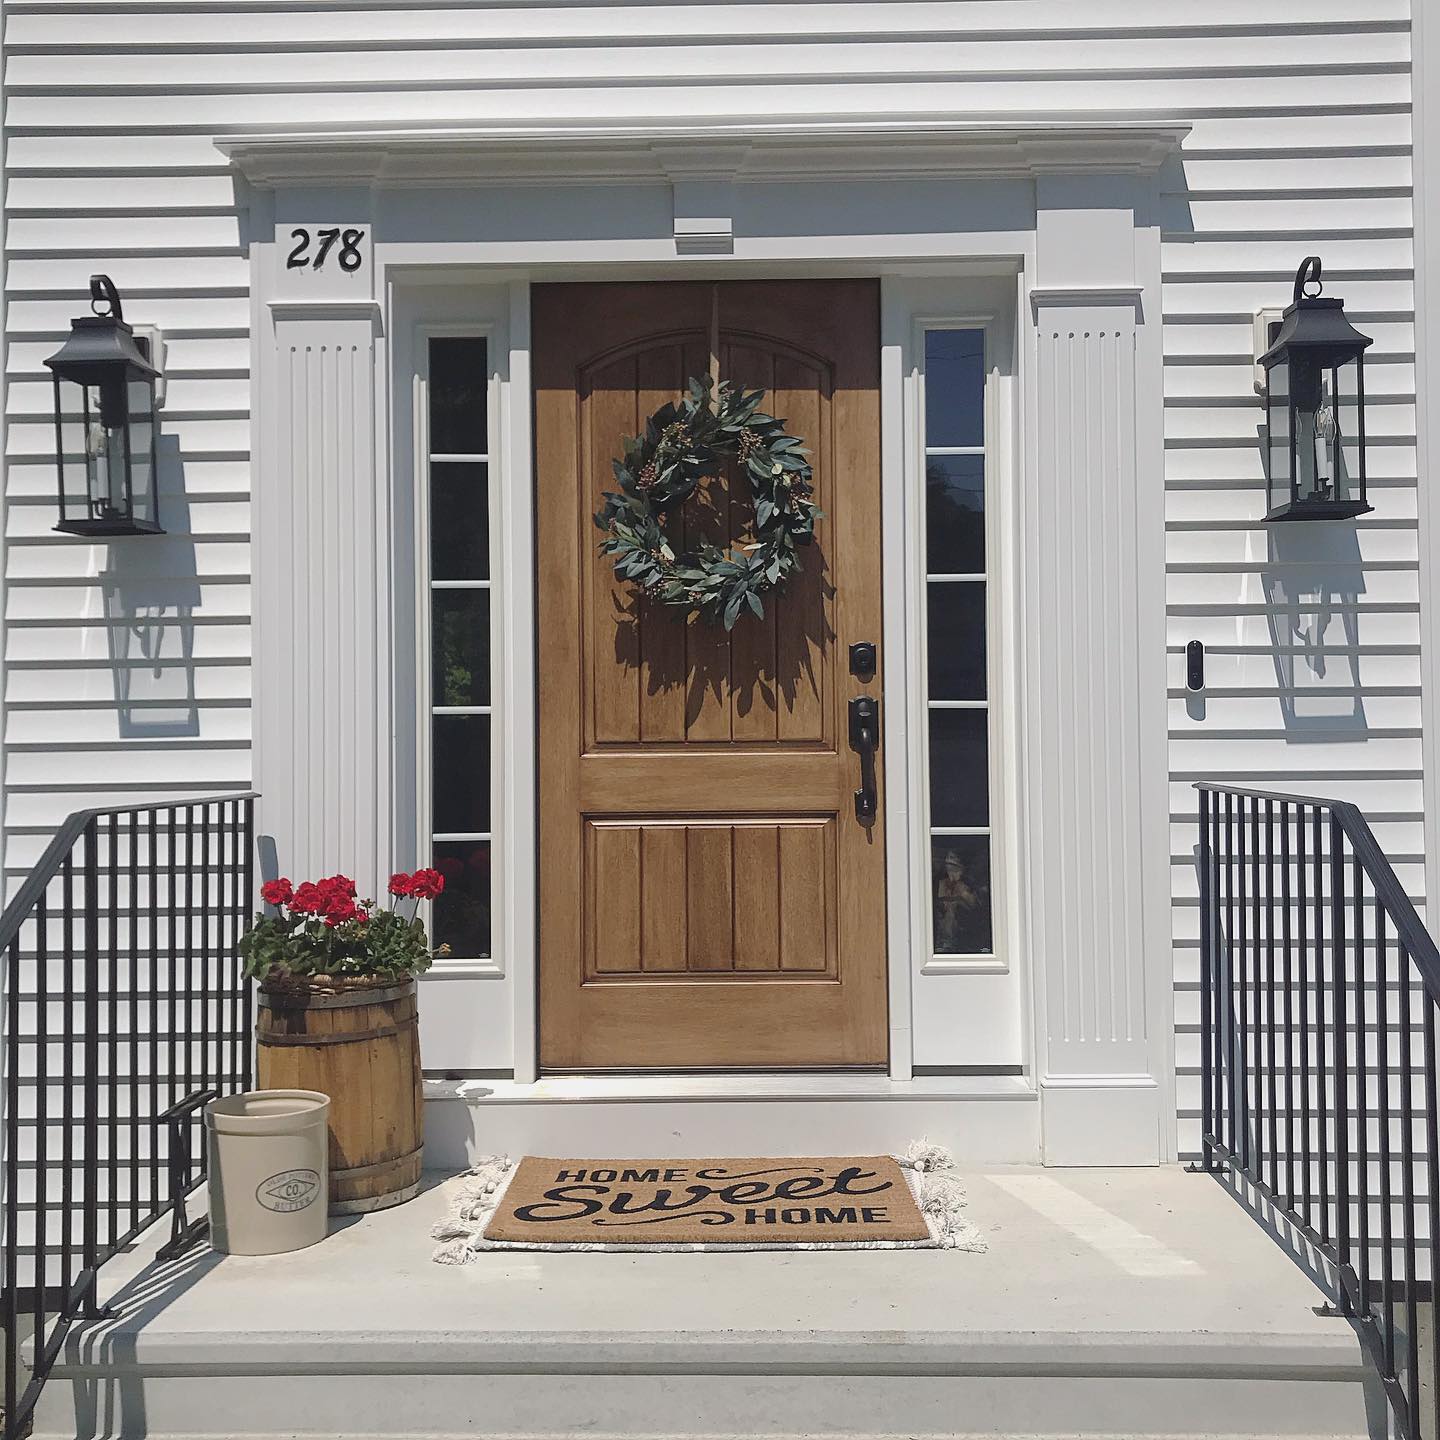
x,y
865,740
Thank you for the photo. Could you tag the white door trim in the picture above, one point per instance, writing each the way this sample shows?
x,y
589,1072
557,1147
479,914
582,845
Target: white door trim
x,y
880,203
908,307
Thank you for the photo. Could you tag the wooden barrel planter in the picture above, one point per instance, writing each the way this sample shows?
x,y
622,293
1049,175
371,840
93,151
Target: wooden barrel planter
x,y
355,1040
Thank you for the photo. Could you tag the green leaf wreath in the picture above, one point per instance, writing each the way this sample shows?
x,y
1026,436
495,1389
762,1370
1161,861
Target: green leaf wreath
x,y
682,445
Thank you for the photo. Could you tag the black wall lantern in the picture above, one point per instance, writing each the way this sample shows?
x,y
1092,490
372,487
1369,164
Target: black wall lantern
x,y
1315,408
105,423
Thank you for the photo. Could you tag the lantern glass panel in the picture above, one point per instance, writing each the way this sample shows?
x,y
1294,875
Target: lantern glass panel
x,y
1278,427
144,470
73,447
106,442
1325,412
105,452
1350,431
92,451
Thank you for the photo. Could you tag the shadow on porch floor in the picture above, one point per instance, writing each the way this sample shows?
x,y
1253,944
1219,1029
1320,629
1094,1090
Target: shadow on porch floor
x,y
1111,1302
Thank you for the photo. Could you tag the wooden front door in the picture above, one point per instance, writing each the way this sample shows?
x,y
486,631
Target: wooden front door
x,y
708,896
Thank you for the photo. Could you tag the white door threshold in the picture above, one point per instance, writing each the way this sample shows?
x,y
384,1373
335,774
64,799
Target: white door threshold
x,y
677,1116
593,1089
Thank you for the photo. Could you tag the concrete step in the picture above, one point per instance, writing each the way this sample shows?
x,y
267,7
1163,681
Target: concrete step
x,y
1110,1303
526,1386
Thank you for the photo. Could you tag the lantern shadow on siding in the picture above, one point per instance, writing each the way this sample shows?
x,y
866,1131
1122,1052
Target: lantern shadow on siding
x,y
1313,579
150,593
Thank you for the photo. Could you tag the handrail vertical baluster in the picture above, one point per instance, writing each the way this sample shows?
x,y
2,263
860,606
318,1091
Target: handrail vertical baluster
x,y
1271,1066
67,1038
1324,1110
112,1037
133,1025
1301,916
203,1080
153,909
90,1050
42,1109
238,919
1241,949
247,990
1255,1118
1207,1029
1362,1084
1287,991
1340,1050
1432,1189
1407,1183
1382,1076
12,1175
188,984
172,988
1218,942
1225,1033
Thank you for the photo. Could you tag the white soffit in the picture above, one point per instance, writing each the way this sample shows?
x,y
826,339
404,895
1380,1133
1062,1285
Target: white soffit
x,y
819,150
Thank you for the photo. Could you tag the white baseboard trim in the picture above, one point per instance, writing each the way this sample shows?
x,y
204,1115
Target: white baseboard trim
x,y
1101,1120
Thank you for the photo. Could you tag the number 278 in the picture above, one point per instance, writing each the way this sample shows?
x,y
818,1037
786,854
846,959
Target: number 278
x,y
348,256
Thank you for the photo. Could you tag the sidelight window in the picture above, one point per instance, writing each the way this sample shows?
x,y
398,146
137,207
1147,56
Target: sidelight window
x,y
957,569
457,526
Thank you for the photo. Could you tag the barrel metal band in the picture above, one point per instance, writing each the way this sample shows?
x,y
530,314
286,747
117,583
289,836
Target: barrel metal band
x,y
379,1032
340,999
359,1172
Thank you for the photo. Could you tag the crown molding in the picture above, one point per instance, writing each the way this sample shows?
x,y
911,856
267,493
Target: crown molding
x,y
1042,297
361,308
839,149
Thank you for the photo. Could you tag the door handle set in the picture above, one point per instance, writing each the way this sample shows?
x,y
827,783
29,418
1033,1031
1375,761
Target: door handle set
x,y
865,740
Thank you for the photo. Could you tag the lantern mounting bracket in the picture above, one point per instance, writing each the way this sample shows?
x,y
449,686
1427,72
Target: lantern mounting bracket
x,y
103,292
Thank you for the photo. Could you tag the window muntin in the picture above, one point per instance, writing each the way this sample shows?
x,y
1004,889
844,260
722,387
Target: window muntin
x,y
957,604
458,668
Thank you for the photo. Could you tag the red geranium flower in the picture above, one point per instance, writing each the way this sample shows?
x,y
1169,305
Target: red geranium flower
x,y
426,884
308,899
277,892
400,883
341,909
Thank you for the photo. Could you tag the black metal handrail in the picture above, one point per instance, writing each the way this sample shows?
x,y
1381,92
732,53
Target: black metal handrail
x,y
1319,990
124,999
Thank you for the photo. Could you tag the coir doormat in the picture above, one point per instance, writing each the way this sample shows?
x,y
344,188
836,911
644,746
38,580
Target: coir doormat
x,y
753,1203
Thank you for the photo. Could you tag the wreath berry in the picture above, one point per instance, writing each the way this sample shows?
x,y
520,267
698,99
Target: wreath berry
x,y
684,444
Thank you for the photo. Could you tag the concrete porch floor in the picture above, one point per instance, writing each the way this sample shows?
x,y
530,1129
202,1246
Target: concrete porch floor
x,y
1110,1302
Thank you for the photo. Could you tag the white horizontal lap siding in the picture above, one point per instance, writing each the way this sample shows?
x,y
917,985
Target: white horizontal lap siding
x,y
1252,205
127,665
1300,141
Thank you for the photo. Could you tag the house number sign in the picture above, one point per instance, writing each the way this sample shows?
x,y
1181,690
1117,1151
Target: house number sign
x,y
313,247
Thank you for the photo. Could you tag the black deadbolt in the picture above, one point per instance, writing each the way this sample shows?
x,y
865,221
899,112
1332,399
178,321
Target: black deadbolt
x,y
862,660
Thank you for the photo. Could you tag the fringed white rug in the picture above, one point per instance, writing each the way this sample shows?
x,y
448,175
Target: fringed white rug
x,y
746,1201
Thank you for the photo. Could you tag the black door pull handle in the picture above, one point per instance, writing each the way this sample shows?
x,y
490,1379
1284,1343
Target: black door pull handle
x,y
865,740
